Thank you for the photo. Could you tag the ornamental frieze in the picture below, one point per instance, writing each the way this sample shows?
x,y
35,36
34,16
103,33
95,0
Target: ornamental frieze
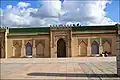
x,y
60,33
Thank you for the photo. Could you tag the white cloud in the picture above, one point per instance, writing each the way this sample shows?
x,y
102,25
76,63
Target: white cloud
x,y
22,16
85,11
23,4
51,12
49,9
9,6
13,16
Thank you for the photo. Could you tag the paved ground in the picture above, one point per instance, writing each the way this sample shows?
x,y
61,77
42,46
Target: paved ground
x,y
82,68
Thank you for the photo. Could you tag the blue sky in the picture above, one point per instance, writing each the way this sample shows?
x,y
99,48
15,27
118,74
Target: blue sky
x,y
112,9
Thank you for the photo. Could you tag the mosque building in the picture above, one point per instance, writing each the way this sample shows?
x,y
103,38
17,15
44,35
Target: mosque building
x,y
59,41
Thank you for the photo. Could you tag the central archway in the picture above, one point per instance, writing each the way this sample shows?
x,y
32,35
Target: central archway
x,y
61,48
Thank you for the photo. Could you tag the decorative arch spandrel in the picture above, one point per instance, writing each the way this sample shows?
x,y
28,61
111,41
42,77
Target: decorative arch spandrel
x,y
107,46
17,47
95,39
26,41
60,37
106,39
17,42
39,50
82,40
83,48
40,42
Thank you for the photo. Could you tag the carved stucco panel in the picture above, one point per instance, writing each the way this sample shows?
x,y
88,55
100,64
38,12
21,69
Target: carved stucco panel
x,y
56,35
106,39
84,40
17,42
40,42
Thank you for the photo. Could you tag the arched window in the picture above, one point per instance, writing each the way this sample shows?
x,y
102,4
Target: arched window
x,y
95,48
28,49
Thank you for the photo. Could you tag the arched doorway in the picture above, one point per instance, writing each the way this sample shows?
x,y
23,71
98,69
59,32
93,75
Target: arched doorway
x,y
28,49
61,48
95,48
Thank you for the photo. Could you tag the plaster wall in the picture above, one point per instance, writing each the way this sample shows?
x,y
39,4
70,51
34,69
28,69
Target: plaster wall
x,y
25,39
76,38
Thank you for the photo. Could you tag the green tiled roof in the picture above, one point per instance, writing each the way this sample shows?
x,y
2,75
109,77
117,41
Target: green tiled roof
x,y
29,30
86,28
47,29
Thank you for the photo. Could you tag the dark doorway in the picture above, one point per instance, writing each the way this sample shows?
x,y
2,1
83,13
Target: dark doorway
x,y
61,48
28,49
95,48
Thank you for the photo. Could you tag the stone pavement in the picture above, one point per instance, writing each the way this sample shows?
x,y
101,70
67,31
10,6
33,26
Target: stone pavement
x,y
82,68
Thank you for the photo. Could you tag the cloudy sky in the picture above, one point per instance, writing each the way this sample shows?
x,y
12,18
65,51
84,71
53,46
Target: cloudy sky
x,y
36,13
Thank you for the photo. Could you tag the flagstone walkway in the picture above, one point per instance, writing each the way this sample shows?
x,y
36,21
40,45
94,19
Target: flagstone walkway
x,y
82,68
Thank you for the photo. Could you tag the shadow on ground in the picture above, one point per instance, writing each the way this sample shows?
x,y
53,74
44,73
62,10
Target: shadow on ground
x,y
74,75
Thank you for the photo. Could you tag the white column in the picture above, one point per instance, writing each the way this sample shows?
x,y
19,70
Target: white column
x,y
34,49
79,50
100,46
13,50
23,49
89,48
54,50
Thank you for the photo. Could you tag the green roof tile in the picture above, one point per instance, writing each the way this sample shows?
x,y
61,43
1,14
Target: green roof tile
x,y
47,29
86,28
29,30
